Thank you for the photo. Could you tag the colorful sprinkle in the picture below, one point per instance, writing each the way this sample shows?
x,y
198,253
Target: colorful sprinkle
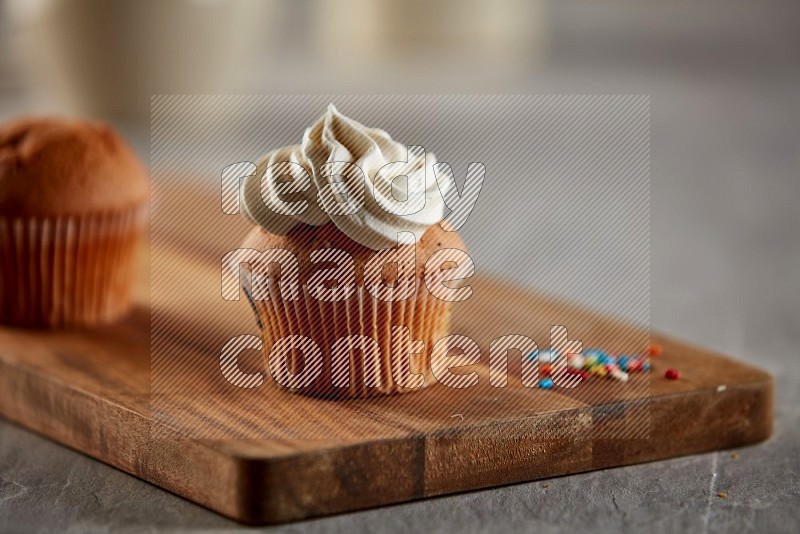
x,y
655,350
596,362
672,374
598,370
597,354
620,375
578,372
576,361
547,356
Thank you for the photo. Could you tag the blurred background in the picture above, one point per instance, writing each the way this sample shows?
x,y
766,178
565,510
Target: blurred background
x,y
723,77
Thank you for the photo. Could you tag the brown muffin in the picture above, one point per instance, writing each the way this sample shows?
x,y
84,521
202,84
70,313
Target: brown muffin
x,y
426,317
73,200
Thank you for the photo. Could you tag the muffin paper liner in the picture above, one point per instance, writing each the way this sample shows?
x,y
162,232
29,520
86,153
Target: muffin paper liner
x,y
425,316
69,270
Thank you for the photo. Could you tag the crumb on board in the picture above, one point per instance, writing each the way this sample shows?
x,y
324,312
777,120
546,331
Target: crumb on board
x,y
735,455
722,495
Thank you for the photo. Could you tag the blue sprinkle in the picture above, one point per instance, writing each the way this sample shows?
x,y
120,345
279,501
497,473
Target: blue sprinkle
x,y
546,383
646,366
533,355
623,362
599,355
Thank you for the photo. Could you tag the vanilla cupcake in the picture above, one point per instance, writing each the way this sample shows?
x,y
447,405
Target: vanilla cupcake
x,y
346,228
73,200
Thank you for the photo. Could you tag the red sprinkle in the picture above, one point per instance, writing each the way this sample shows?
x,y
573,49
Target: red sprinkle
x,y
578,372
672,374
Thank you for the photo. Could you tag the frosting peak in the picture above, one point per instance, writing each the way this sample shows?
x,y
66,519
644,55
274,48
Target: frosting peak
x,y
370,186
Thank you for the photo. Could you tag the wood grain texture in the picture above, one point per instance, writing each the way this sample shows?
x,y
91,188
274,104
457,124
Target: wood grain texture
x,y
264,456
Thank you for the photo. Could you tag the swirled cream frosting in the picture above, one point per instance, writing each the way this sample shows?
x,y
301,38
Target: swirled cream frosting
x,y
374,189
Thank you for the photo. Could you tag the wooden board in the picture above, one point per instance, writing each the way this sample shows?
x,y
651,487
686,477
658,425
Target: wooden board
x,y
262,455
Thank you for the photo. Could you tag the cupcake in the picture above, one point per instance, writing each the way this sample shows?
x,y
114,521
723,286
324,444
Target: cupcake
x,y
332,203
73,200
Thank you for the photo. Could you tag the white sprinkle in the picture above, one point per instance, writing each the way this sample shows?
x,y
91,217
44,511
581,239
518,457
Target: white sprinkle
x,y
547,356
576,361
721,388
620,375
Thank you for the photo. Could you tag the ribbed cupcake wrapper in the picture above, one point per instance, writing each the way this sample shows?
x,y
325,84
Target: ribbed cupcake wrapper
x,y
426,317
75,270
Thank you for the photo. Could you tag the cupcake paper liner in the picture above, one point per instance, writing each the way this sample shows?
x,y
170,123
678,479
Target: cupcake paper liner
x,y
70,270
426,317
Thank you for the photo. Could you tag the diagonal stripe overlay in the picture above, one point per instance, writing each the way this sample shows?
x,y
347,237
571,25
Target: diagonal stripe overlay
x,y
564,211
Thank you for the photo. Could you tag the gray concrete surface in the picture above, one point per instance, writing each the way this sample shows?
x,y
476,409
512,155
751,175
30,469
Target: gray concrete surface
x,y
725,256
